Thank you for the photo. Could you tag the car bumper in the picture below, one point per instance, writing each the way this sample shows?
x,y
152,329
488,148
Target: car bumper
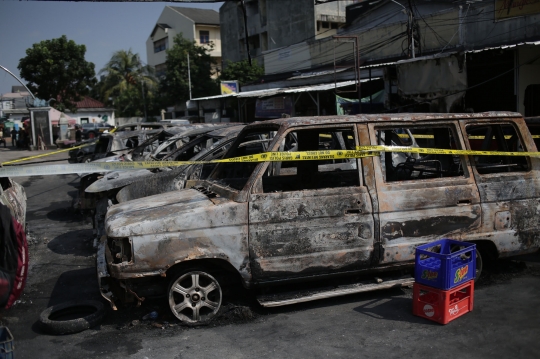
x,y
104,279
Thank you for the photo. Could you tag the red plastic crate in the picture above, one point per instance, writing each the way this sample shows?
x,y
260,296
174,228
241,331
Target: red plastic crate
x,y
443,306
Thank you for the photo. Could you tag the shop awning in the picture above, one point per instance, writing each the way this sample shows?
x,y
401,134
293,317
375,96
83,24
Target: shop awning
x,y
289,90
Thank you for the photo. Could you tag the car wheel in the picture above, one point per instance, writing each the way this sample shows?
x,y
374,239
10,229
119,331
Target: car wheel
x,y
91,135
72,317
87,159
479,265
194,297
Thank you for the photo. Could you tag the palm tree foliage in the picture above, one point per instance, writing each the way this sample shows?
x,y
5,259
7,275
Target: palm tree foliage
x,y
124,80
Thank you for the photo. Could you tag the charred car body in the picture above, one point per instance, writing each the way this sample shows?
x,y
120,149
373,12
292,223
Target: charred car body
x,y
175,143
280,222
205,146
83,154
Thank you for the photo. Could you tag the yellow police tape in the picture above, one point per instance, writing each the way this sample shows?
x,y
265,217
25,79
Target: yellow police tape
x,y
45,154
360,152
401,135
507,137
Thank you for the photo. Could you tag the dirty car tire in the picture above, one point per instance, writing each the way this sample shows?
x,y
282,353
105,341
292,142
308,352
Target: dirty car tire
x,y
194,297
85,313
479,265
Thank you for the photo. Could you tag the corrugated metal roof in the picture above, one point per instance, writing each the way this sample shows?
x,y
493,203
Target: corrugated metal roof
x,y
502,47
277,91
446,54
213,97
312,88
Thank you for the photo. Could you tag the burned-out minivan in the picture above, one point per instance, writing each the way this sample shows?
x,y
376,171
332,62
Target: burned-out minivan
x,y
279,222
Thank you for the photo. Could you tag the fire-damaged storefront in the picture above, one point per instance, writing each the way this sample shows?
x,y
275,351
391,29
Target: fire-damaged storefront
x,y
505,78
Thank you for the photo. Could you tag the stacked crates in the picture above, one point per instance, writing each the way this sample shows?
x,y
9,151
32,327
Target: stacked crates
x,y
444,280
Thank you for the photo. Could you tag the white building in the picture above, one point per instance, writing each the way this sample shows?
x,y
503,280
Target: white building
x,y
200,25
92,111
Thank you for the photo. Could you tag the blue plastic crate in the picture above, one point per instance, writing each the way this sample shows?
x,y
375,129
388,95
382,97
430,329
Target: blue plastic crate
x,y
438,264
6,344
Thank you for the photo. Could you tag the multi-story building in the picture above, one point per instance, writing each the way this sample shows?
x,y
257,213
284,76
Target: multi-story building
x,y
274,24
200,25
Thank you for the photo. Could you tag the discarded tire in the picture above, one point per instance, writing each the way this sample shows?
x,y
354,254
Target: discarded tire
x,y
72,317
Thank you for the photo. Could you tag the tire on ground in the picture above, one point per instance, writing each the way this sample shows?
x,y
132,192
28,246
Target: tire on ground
x,y
85,313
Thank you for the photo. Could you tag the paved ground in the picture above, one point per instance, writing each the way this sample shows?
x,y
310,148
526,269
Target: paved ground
x,y
505,321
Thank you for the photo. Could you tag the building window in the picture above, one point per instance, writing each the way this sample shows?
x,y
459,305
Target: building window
x,y
160,45
204,36
161,70
254,42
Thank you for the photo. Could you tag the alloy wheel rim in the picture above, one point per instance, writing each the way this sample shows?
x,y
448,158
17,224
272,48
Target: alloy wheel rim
x,y
195,297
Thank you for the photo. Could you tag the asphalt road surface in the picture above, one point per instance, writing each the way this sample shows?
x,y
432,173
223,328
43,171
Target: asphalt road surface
x,y
505,321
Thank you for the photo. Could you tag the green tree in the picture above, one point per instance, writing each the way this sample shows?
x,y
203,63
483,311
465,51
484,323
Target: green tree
x,y
57,69
128,84
175,84
242,72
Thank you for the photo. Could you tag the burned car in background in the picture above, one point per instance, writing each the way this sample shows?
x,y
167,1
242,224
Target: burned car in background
x,y
175,178
82,154
183,146
139,126
269,223
13,196
201,141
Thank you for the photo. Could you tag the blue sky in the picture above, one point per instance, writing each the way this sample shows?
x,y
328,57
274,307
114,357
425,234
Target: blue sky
x,y
102,27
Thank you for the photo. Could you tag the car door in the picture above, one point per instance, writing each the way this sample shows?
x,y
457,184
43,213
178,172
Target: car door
x,y
310,217
422,198
509,186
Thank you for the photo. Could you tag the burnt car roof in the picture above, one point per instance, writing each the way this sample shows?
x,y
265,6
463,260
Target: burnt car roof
x,y
390,117
124,134
226,131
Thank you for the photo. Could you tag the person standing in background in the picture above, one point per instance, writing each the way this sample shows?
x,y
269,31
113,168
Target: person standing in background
x,y
78,133
14,137
2,139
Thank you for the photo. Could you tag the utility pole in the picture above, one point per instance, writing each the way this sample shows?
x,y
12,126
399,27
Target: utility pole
x,y
411,28
246,31
144,101
189,75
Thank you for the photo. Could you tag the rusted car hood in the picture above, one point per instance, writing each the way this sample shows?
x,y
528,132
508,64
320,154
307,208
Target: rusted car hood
x,y
161,213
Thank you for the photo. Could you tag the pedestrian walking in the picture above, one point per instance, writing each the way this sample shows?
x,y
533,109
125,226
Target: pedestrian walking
x,y
14,137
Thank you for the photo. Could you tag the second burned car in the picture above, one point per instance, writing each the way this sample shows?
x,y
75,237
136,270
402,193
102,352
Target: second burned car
x,y
266,223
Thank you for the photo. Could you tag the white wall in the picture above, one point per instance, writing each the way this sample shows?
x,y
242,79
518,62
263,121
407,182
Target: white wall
x,y
178,23
93,116
215,37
